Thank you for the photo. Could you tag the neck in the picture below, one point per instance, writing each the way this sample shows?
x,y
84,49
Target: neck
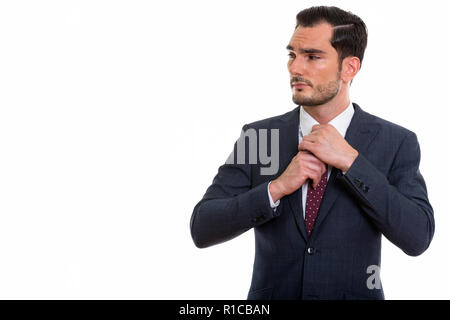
x,y
324,113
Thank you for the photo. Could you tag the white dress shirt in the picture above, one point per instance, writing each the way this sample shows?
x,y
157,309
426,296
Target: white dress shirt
x,y
306,122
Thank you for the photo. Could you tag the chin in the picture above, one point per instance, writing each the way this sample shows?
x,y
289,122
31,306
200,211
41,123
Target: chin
x,y
301,100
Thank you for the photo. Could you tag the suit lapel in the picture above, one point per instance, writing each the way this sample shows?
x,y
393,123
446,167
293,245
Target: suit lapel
x,y
296,208
288,149
359,135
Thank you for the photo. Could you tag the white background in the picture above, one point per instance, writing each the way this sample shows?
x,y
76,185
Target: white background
x,y
115,116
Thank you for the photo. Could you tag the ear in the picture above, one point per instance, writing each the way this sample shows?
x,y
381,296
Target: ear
x,y
350,67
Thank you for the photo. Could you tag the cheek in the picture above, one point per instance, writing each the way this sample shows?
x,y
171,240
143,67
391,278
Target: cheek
x,y
324,71
318,69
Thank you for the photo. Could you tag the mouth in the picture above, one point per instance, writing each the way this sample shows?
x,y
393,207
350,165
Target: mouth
x,y
299,85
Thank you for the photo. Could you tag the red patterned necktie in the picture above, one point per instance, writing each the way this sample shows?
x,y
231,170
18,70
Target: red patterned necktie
x,y
313,201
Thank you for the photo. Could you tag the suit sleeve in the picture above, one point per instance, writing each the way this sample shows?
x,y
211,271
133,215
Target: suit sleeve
x,y
231,205
397,204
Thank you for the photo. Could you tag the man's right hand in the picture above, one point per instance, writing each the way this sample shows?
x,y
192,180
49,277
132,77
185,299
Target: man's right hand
x,y
303,166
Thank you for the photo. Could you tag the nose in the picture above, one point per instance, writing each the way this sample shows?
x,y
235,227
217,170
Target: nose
x,y
296,66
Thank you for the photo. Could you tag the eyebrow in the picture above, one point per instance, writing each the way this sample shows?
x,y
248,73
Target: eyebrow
x,y
306,50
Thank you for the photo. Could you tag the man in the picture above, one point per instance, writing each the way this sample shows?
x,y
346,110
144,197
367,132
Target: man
x,y
318,220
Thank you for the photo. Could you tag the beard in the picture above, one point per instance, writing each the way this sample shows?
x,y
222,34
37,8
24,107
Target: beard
x,y
322,93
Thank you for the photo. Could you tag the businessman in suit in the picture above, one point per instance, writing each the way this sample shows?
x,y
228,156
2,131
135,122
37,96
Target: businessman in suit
x,y
345,178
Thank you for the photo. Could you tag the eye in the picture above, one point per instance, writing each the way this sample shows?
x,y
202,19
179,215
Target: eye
x,y
291,55
314,57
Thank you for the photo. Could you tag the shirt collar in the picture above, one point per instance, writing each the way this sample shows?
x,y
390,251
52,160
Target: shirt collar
x,y
340,122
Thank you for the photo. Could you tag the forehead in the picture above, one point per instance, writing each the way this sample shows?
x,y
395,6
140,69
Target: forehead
x,y
317,37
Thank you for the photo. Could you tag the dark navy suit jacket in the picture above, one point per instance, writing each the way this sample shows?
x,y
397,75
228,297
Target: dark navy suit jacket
x,y
383,192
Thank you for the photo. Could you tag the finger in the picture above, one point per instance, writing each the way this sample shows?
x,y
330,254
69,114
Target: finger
x,y
321,166
307,145
318,178
310,137
312,170
315,182
311,159
300,146
332,128
316,127
306,152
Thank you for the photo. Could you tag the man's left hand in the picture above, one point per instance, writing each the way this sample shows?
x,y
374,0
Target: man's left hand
x,y
327,144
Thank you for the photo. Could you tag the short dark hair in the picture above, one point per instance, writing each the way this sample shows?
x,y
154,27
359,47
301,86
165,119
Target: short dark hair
x,y
350,32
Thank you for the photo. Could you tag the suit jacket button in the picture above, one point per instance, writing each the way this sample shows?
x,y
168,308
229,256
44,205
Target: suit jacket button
x,y
311,251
